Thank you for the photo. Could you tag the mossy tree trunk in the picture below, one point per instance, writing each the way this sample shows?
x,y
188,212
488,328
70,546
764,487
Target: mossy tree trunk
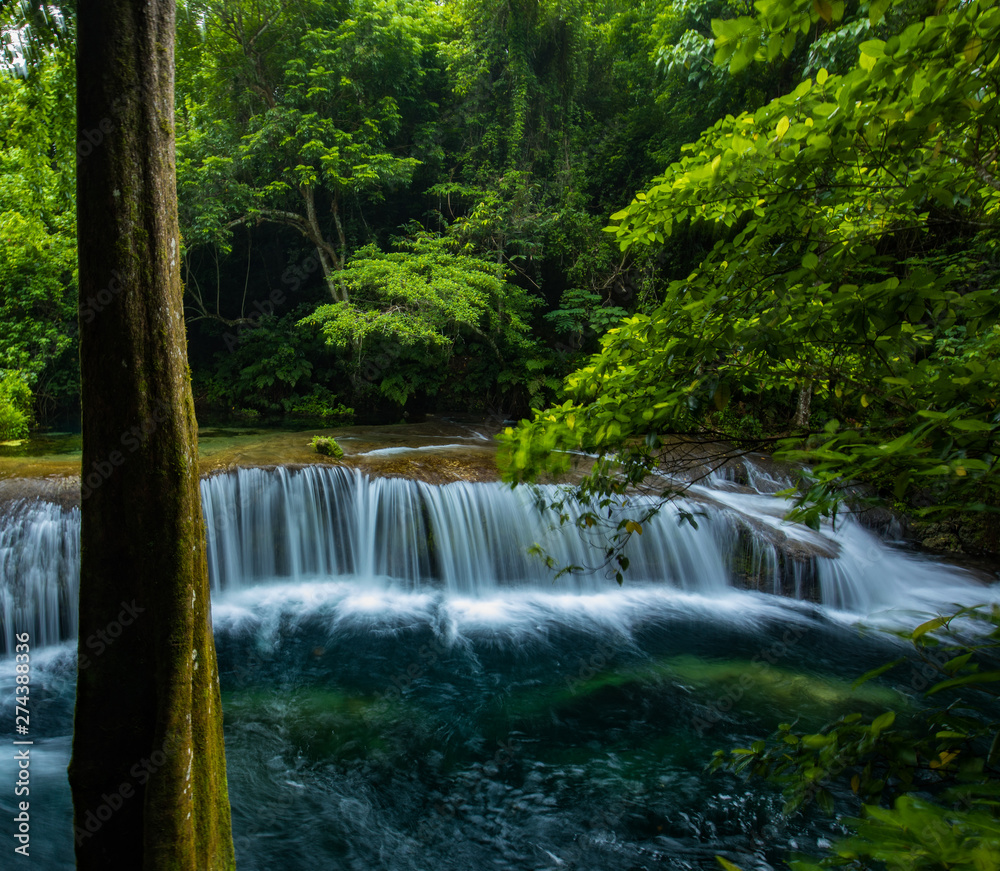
x,y
148,769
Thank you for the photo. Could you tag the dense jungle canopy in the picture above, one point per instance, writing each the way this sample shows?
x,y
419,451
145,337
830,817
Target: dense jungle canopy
x,y
391,207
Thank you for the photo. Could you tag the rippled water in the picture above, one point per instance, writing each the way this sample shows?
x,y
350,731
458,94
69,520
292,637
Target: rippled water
x,y
398,730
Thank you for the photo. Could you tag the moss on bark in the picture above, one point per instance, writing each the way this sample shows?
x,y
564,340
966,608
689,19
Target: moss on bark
x,y
148,767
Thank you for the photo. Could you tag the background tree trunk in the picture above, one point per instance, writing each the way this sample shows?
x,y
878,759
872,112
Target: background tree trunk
x,y
148,767
802,409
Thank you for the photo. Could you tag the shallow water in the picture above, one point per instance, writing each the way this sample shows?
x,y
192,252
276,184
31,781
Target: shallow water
x,y
437,450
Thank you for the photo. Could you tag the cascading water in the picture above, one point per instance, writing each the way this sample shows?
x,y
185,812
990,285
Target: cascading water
x,y
40,568
471,539
406,687
321,522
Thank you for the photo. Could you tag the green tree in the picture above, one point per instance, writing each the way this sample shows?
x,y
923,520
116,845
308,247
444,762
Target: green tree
x,y
315,97
38,251
556,111
275,368
851,273
15,406
431,306
148,774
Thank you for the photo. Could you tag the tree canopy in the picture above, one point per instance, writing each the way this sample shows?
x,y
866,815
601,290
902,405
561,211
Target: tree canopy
x,y
850,274
393,206
430,305
38,254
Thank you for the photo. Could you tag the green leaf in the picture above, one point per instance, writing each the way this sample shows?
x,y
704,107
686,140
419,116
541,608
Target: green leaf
x,y
967,680
928,626
877,672
971,425
877,11
883,721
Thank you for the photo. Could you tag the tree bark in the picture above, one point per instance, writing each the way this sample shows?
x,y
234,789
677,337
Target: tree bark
x,y
330,260
148,770
802,412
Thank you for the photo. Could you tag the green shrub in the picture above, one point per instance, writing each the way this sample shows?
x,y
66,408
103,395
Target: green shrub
x,y
15,406
320,404
327,446
274,369
739,424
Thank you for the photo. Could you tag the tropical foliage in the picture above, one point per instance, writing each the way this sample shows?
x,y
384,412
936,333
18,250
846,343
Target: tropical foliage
x,y
312,135
398,206
38,231
15,406
920,784
317,108
850,279
395,206
431,306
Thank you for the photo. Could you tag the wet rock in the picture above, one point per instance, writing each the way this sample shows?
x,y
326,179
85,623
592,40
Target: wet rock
x,y
63,490
765,559
967,535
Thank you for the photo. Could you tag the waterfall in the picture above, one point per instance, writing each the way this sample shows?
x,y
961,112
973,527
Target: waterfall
x,y
316,523
402,678
40,571
470,538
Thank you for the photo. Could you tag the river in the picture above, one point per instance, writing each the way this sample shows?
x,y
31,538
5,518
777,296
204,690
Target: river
x,y
406,687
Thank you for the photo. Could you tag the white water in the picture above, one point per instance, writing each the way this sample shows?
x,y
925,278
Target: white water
x,y
470,539
39,572
332,534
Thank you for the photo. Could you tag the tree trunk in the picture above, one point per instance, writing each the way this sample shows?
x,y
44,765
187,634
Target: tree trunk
x,y
328,258
802,412
148,770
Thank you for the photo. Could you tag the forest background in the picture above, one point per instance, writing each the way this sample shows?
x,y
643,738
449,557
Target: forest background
x,y
390,208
